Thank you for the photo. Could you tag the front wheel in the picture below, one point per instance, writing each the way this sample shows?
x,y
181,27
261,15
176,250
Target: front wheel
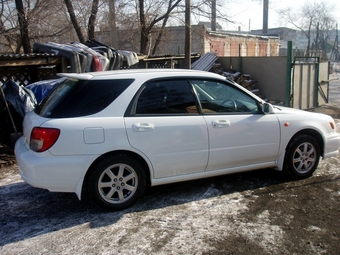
x,y
302,157
116,182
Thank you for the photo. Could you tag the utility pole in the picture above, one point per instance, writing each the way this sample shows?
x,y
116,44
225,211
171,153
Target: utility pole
x,y
213,15
113,25
187,46
265,17
337,44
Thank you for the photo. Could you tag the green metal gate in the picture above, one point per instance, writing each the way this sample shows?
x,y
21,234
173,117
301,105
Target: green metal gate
x,y
310,83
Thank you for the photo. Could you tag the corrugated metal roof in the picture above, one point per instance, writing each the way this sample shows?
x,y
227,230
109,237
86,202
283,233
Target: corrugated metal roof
x,y
205,62
31,59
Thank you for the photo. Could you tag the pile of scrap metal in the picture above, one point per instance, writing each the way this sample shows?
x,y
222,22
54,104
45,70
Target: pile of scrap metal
x,y
16,100
207,62
91,56
245,80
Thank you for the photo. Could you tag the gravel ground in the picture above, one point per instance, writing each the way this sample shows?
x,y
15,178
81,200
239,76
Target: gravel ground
x,y
259,212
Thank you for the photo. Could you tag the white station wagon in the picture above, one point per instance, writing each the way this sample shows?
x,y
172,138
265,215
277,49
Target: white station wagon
x,y
110,134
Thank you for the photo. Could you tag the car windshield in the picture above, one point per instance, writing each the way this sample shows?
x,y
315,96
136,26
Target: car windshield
x,y
75,98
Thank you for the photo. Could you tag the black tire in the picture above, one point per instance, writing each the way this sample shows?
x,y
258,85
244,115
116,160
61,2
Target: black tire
x,y
302,157
116,182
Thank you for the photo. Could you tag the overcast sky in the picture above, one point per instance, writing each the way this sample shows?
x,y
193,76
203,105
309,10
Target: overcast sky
x,y
249,13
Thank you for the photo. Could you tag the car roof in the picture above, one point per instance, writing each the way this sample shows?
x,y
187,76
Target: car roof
x,y
151,73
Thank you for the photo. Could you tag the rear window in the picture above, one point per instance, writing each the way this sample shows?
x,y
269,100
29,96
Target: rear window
x,y
75,98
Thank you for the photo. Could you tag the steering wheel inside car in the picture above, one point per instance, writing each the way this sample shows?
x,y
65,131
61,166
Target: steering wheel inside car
x,y
228,105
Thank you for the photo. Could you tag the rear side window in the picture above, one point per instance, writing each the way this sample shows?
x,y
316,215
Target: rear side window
x,y
75,98
167,97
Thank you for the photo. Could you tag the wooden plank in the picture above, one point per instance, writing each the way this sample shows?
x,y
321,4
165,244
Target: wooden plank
x,y
15,62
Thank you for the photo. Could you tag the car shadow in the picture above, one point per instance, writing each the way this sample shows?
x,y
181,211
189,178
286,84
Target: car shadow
x,y
189,191
27,212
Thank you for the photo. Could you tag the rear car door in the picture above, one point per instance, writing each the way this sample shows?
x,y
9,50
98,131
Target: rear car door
x,y
163,123
240,135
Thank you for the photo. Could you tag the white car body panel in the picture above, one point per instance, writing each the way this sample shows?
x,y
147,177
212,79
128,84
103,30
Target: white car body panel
x,y
243,141
55,173
175,145
301,120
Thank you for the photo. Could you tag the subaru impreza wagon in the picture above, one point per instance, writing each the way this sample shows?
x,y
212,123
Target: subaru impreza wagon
x,y
111,134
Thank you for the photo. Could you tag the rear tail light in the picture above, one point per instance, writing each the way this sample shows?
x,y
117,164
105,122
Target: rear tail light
x,y
43,138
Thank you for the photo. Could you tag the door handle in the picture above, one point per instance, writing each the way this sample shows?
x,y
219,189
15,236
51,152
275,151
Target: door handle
x,y
142,127
220,123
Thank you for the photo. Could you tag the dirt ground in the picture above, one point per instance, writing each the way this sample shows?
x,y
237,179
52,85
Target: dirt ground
x,y
259,212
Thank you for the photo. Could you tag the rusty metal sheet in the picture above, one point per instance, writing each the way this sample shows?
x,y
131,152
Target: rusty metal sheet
x,y
205,62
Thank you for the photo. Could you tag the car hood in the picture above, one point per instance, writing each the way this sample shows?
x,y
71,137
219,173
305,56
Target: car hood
x,y
288,110
286,113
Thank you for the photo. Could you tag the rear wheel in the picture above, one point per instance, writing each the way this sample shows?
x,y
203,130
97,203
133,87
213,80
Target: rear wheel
x,y
302,156
116,182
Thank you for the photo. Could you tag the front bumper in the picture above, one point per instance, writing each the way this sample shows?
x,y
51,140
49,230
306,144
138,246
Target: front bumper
x,y
332,145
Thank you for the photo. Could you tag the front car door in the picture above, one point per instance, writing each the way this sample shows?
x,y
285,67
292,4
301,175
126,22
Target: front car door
x,y
240,135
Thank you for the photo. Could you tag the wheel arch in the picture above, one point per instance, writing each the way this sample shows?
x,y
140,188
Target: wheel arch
x,y
312,132
315,134
302,154
134,155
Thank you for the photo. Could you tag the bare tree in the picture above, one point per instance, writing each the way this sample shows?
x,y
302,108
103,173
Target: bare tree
x,y
24,22
88,16
8,33
74,20
210,9
159,36
152,18
148,19
92,19
314,20
23,26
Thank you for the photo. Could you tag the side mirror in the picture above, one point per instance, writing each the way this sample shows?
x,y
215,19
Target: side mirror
x,y
267,108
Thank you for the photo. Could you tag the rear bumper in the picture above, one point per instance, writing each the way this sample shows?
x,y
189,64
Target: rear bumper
x,y
54,173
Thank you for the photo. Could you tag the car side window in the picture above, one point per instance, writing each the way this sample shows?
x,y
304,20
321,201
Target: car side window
x,y
217,97
167,97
